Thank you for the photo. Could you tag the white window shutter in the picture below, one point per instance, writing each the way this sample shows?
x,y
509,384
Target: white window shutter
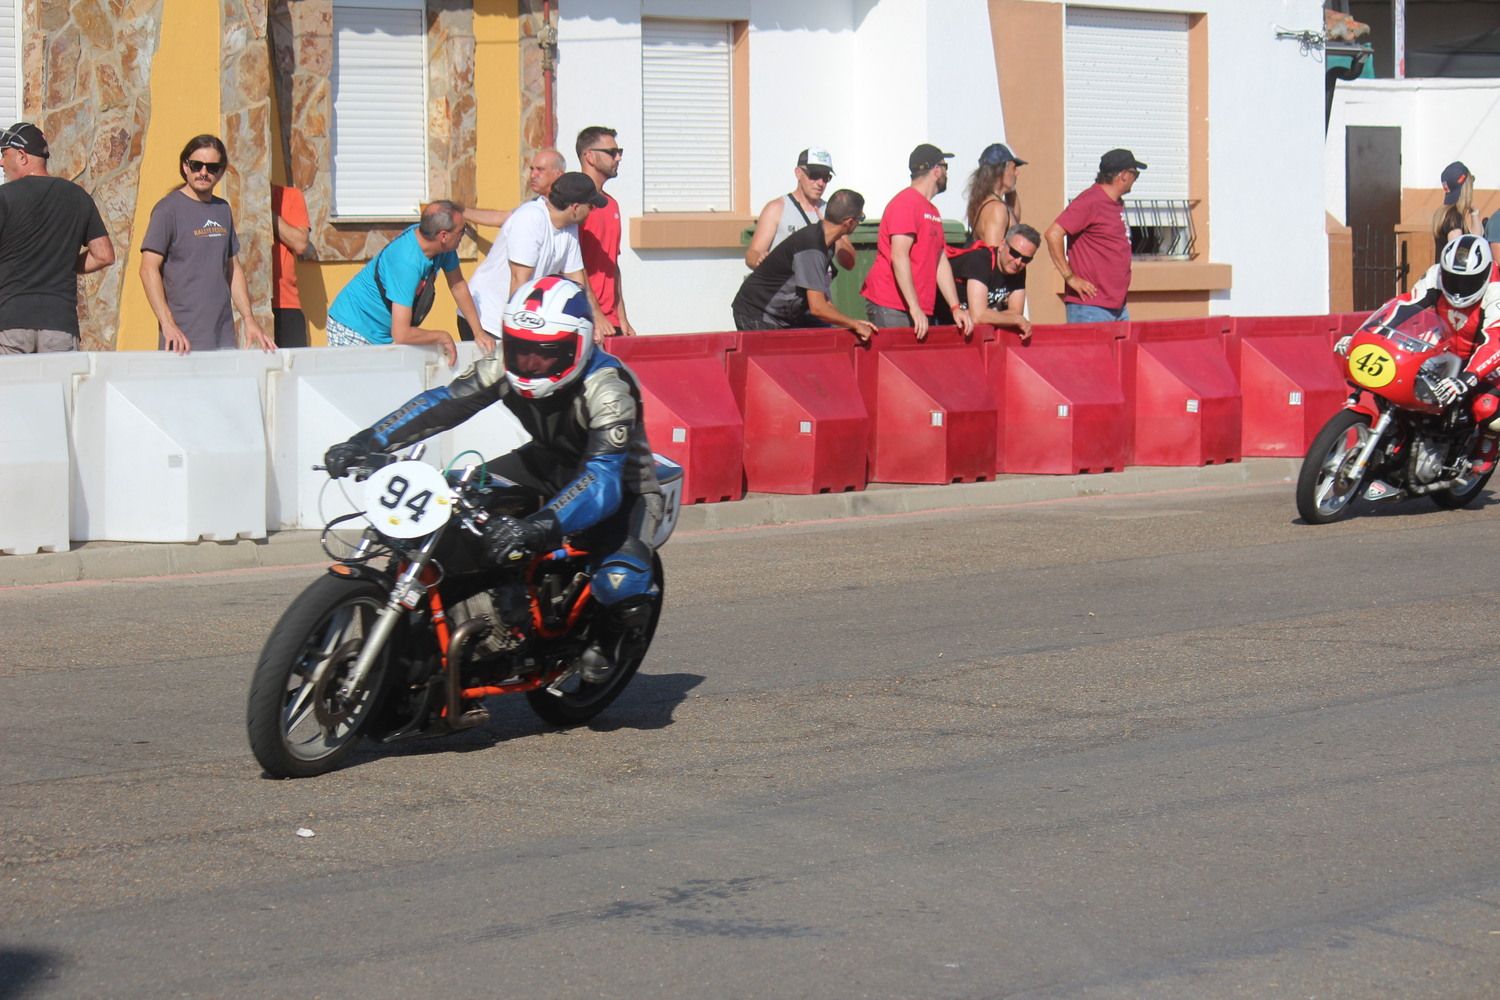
x,y
1126,76
379,108
687,116
10,62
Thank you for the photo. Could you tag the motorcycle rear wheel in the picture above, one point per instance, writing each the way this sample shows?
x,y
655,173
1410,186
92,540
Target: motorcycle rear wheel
x,y
1463,495
1325,493
298,726
588,700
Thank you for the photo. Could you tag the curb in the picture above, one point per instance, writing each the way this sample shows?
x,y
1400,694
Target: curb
x,y
129,560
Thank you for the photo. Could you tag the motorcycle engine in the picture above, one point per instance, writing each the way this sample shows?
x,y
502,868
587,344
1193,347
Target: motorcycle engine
x,y
507,611
1426,462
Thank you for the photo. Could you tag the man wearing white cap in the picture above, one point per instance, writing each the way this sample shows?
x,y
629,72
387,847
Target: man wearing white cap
x,y
800,208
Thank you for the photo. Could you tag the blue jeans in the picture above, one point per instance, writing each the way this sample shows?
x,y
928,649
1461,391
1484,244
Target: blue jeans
x,y
1079,312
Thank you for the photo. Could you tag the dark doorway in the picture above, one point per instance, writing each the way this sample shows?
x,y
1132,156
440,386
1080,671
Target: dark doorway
x,y
1372,207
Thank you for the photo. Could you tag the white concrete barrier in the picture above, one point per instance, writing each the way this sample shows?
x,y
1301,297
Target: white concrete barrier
x,y
36,482
171,449
321,397
491,432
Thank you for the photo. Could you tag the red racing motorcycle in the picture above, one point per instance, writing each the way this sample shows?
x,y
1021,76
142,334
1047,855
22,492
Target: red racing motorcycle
x,y
1393,439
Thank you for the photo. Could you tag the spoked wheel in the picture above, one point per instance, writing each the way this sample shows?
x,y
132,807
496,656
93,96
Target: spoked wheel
x,y
581,702
1325,488
301,721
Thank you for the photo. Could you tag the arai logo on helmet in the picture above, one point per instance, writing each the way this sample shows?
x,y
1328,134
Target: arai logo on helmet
x,y
527,318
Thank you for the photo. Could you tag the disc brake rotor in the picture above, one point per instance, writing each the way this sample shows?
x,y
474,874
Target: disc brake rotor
x,y
330,708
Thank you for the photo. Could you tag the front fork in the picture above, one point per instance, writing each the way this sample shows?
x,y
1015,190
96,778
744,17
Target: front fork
x,y
1356,471
405,596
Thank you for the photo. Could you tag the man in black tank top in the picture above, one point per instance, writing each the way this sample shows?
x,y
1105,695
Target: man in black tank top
x,y
50,232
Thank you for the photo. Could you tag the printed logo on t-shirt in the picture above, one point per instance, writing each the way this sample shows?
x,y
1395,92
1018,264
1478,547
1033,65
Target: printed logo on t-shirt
x,y
211,228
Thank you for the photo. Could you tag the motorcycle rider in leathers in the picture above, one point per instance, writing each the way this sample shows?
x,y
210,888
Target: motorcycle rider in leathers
x,y
588,453
1462,286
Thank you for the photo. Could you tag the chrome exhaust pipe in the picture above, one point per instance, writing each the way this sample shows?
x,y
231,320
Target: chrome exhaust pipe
x,y
458,653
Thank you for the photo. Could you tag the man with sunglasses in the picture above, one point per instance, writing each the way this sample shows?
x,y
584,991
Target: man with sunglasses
x,y
792,285
992,280
599,156
797,210
50,233
189,261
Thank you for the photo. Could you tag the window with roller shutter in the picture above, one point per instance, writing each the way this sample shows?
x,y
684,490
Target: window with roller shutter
x,y
687,115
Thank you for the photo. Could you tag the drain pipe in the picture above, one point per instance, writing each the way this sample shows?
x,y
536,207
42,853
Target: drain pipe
x,y
546,37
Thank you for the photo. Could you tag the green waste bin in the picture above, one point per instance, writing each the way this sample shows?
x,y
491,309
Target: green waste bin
x,y
846,284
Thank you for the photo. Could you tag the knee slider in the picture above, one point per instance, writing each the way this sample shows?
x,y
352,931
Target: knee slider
x,y
623,575
1485,407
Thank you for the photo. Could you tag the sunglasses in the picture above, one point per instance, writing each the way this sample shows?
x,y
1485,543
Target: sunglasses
x,y
616,152
815,174
1023,258
198,166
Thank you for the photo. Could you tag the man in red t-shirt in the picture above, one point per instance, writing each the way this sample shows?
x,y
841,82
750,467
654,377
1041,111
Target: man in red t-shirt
x,y
599,156
1096,264
289,215
911,266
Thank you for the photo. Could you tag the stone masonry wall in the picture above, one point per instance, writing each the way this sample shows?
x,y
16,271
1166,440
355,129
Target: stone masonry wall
x,y
87,72
245,116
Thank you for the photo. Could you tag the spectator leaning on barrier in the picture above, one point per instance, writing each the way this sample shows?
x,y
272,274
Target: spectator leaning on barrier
x,y
790,287
293,231
599,156
910,265
992,279
540,238
797,210
50,233
994,206
190,264
1096,263
387,300
1456,216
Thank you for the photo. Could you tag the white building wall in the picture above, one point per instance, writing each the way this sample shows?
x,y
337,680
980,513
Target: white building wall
x,y
869,79
1440,121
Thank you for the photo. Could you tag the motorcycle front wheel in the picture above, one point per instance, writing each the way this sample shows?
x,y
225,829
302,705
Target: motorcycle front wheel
x,y
574,708
1325,491
301,723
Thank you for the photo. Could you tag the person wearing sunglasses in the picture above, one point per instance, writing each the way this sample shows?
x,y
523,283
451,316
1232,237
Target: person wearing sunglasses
x,y
190,264
599,235
798,209
50,233
992,280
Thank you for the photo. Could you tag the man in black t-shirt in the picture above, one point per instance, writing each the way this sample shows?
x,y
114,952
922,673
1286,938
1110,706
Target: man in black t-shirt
x,y
50,232
992,280
790,287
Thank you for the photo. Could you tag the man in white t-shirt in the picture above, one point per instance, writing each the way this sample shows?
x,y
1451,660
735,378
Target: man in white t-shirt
x,y
539,238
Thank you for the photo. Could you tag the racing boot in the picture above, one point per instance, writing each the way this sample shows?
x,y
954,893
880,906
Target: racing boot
x,y
619,637
1485,452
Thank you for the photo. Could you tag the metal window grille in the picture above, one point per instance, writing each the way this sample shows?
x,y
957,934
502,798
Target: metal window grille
x,y
1161,228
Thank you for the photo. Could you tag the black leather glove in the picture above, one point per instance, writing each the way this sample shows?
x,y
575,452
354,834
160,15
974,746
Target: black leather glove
x,y
508,540
1451,390
344,456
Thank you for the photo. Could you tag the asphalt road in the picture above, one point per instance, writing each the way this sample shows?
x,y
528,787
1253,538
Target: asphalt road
x,y
1165,746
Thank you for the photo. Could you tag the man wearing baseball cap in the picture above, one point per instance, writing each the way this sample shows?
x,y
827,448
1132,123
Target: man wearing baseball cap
x,y
911,267
50,232
540,238
1095,265
798,209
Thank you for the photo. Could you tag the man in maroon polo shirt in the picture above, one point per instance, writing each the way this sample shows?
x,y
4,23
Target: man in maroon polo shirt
x,y
1096,264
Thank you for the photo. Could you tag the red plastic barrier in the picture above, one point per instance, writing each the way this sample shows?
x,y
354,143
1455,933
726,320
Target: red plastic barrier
x,y
933,416
1289,379
806,426
1347,322
1062,405
1185,397
691,415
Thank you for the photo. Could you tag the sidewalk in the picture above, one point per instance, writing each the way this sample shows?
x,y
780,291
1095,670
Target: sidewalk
x,y
126,560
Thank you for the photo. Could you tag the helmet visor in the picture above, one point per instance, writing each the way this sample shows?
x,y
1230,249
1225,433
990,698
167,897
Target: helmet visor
x,y
1460,287
536,359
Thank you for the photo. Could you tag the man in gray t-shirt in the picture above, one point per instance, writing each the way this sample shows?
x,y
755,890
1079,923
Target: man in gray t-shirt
x,y
189,264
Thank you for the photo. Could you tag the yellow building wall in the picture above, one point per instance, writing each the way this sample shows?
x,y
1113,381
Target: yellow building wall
x,y
184,103
497,165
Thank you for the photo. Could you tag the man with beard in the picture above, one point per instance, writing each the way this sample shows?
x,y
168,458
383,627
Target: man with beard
x,y
911,266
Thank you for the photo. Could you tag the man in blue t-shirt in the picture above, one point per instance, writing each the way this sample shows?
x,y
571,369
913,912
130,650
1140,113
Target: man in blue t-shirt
x,y
376,307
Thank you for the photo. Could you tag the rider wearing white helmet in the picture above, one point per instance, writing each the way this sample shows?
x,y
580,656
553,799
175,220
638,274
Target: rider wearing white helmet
x,y
588,452
1463,289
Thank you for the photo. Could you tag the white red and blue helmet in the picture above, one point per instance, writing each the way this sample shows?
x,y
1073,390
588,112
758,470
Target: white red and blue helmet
x,y
548,335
